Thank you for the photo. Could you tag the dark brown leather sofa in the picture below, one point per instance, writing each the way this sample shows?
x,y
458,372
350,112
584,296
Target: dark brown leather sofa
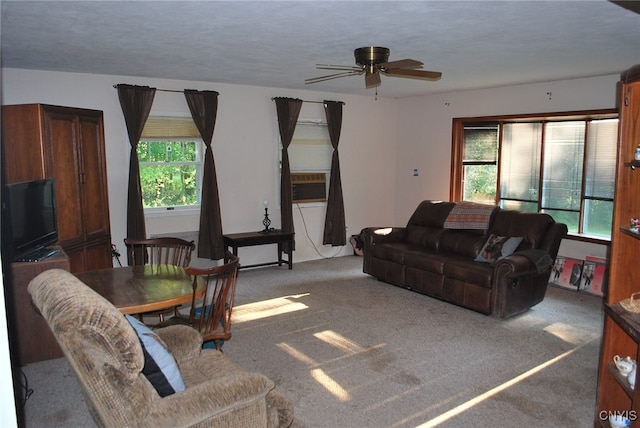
x,y
441,262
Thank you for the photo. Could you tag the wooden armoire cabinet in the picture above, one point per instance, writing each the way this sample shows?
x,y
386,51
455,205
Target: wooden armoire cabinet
x,y
66,144
621,331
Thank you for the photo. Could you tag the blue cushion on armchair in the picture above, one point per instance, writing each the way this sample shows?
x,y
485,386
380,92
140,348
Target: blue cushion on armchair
x,y
160,368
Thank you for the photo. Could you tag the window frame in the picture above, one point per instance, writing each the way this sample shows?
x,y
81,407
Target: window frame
x,y
183,129
456,189
296,168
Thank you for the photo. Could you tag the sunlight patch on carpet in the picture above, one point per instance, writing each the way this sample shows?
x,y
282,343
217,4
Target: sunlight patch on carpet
x,y
569,333
478,399
300,356
317,374
330,385
339,341
268,308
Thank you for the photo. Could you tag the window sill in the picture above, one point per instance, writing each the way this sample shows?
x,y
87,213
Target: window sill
x,y
589,238
175,212
310,204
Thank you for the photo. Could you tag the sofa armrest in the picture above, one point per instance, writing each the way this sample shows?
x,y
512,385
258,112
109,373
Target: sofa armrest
x,y
514,266
371,236
183,341
517,285
376,235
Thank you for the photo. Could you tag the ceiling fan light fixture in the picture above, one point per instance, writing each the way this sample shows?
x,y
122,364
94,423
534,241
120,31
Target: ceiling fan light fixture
x,y
371,55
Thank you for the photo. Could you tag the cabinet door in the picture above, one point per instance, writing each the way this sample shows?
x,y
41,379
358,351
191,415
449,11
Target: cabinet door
x,y
62,164
90,256
22,143
93,175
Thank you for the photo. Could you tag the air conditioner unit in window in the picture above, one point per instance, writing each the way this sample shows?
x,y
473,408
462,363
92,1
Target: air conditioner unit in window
x,y
309,186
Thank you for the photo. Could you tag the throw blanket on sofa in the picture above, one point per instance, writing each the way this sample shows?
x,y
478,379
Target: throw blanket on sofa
x,y
540,258
469,215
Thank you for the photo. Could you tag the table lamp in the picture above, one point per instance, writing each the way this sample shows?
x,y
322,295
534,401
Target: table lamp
x,y
266,222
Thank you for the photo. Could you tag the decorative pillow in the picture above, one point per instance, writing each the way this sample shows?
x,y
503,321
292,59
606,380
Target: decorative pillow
x,y
498,247
160,367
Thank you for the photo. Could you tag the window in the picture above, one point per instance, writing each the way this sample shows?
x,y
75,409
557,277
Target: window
x,y
560,164
310,154
170,155
310,148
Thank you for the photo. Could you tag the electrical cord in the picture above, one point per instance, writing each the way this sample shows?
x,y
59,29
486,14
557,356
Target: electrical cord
x,y
306,231
115,253
27,391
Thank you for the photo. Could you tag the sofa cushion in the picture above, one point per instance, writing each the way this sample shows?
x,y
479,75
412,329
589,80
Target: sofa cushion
x,y
431,214
425,260
160,368
531,226
424,236
462,242
498,247
465,270
392,251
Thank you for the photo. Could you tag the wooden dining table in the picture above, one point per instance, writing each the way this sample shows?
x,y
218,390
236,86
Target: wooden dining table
x,y
139,289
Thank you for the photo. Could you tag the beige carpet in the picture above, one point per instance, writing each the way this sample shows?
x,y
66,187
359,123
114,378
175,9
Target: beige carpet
x,y
351,351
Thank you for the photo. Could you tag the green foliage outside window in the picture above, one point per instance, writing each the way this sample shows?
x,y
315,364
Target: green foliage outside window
x,y
168,173
480,183
577,189
480,166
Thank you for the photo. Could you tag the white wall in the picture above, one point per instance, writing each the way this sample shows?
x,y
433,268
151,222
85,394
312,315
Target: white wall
x,y
424,134
245,146
382,142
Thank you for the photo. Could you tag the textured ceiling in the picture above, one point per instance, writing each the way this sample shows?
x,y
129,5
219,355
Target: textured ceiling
x,y
475,44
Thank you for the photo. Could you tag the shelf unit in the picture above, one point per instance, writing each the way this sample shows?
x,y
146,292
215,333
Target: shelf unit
x,y
621,330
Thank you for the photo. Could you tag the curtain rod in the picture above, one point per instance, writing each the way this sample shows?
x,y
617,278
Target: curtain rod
x,y
312,102
272,98
161,90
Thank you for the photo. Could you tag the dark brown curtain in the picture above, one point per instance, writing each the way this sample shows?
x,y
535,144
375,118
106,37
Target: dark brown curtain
x,y
136,104
334,223
288,111
204,110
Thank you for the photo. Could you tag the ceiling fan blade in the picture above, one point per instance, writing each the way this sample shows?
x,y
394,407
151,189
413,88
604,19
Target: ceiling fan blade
x,y
332,76
372,80
401,63
415,74
337,67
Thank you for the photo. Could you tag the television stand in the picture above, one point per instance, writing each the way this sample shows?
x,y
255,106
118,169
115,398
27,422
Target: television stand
x,y
39,254
31,339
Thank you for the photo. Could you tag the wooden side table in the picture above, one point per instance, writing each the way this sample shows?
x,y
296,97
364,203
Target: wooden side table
x,y
250,239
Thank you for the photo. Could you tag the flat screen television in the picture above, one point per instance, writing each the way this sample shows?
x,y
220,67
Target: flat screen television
x,y
30,221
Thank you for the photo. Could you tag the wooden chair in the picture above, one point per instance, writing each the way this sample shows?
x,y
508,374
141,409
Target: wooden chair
x,y
157,251
212,315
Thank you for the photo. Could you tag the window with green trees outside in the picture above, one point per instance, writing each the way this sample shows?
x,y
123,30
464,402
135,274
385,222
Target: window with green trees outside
x,y
560,164
170,157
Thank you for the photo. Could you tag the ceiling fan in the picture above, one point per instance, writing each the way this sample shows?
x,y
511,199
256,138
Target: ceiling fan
x,y
372,62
